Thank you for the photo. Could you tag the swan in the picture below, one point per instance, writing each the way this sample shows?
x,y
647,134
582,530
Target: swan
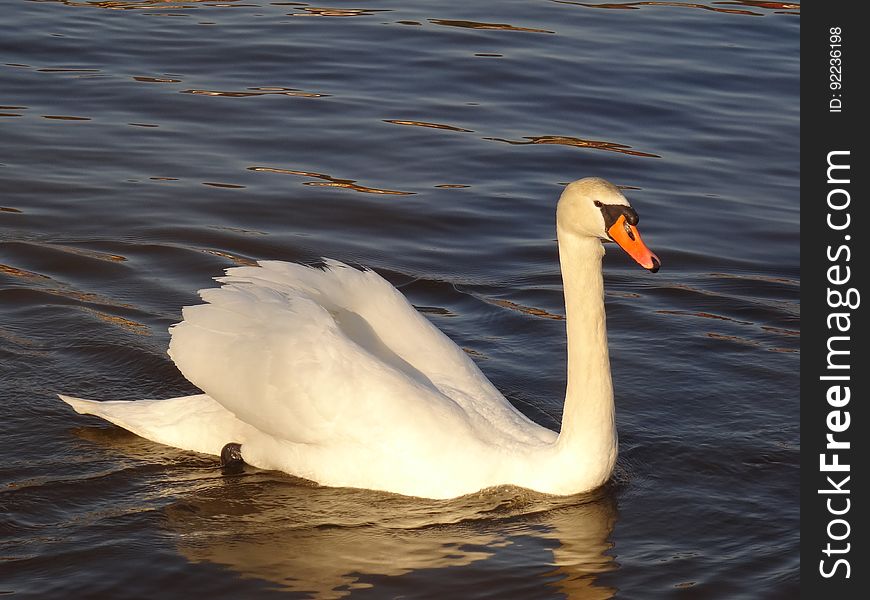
x,y
330,374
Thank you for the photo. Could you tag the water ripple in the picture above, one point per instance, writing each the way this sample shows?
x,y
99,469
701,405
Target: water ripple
x,y
427,124
330,181
777,6
66,118
258,91
156,79
330,11
564,140
135,4
482,25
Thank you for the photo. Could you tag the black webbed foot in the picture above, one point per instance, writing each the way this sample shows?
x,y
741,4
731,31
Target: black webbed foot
x,y
231,459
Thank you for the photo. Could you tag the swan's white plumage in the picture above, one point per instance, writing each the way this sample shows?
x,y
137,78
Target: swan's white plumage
x,y
349,350
332,375
311,370
195,422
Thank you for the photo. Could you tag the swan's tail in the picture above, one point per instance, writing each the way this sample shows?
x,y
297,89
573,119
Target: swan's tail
x,y
82,406
195,423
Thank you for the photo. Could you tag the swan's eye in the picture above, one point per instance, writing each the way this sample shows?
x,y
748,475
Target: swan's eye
x,y
598,204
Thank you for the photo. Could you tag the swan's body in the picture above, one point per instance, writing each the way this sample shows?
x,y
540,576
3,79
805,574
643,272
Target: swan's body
x,y
332,375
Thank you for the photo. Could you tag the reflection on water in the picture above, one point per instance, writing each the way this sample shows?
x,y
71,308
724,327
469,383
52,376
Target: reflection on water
x,y
479,25
234,258
330,181
778,6
227,186
257,91
565,140
703,315
329,11
145,79
425,124
66,118
53,70
134,4
128,324
528,310
329,542
16,272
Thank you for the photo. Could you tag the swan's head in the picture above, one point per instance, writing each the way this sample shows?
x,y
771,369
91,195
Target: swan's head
x,y
594,207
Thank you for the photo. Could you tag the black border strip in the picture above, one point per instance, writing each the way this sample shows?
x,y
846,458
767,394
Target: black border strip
x,y
834,261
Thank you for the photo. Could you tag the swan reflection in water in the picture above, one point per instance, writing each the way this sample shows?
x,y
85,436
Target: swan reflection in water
x,y
331,542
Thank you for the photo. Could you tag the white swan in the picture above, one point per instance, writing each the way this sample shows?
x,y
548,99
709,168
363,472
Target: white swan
x,y
332,375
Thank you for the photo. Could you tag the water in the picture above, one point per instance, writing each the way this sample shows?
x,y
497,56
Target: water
x,y
148,145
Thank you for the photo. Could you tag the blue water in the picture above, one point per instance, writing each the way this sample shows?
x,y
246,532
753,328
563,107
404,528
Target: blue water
x,y
148,145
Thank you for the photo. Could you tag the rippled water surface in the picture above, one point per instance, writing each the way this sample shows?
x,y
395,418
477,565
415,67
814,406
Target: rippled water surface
x,y
147,145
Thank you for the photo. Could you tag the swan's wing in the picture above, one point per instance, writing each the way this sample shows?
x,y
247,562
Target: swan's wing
x,y
307,354
375,315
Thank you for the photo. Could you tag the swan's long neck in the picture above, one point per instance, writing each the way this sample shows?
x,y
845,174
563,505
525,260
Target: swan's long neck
x,y
588,428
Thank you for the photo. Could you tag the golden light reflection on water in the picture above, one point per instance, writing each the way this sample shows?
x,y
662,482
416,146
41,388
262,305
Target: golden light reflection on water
x,y
779,6
561,140
156,79
781,331
236,259
788,6
98,305
83,297
484,25
564,140
128,324
228,186
427,124
63,291
136,4
331,11
66,118
21,273
257,91
62,70
88,252
330,181
89,297
327,542
732,338
528,310
23,345
475,353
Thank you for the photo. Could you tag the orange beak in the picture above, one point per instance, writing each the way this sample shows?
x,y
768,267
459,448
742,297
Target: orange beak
x,y
628,238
